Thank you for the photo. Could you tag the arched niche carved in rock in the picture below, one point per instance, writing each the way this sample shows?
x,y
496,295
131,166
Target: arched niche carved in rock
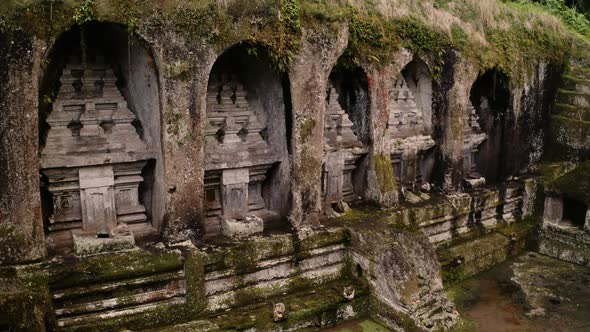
x,y
490,96
247,165
346,139
101,159
409,128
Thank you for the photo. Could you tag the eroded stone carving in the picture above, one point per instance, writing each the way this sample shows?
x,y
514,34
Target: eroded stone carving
x,y
348,292
279,312
342,150
473,137
408,140
93,157
238,159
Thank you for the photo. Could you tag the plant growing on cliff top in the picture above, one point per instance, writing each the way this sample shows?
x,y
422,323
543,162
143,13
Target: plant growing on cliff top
x,y
288,39
84,12
573,19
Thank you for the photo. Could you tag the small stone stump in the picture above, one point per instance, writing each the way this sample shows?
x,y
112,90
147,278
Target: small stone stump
x,y
121,238
240,229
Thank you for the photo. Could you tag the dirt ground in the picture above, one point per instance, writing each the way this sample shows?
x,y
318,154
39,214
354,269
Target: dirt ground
x,y
531,292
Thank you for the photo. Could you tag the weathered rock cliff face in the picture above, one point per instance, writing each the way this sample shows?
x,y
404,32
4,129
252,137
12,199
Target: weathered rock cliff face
x,y
194,163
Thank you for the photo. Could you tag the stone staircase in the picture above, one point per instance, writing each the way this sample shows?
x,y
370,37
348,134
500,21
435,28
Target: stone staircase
x,y
314,308
433,310
86,295
570,119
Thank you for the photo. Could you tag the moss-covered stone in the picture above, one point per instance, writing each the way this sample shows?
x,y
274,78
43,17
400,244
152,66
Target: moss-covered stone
x,y
574,184
194,270
306,128
113,266
243,257
569,139
24,298
465,258
385,175
324,238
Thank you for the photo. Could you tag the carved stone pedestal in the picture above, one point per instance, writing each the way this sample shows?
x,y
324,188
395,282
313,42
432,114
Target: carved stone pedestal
x,y
121,238
239,229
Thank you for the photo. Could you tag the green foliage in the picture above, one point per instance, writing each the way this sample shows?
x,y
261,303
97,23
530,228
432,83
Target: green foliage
x,y
512,39
290,12
371,39
130,13
85,11
573,19
424,41
459,36
441,4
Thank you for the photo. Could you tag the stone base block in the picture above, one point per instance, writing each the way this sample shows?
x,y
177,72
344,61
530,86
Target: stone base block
x,y
565,243
476,182
242,228
122,239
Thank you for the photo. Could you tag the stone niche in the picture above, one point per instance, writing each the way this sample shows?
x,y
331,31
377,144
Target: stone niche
x,y
246,170
495,158
408,133
102,185
342,151
567,212
473,137
93,161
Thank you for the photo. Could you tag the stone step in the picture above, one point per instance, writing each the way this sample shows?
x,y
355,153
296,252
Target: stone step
x,y
89,290
87,321
109,291
579,72
573,83
320,307
573,97
437,303
571,137
572,111
119,302
470,257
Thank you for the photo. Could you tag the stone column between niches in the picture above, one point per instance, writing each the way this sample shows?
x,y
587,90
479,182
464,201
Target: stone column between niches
x,y
21,226
381,187
308,75
184,73
450,102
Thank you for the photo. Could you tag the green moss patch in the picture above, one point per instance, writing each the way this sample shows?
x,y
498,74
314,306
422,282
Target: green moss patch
x,y
385,175
112,267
